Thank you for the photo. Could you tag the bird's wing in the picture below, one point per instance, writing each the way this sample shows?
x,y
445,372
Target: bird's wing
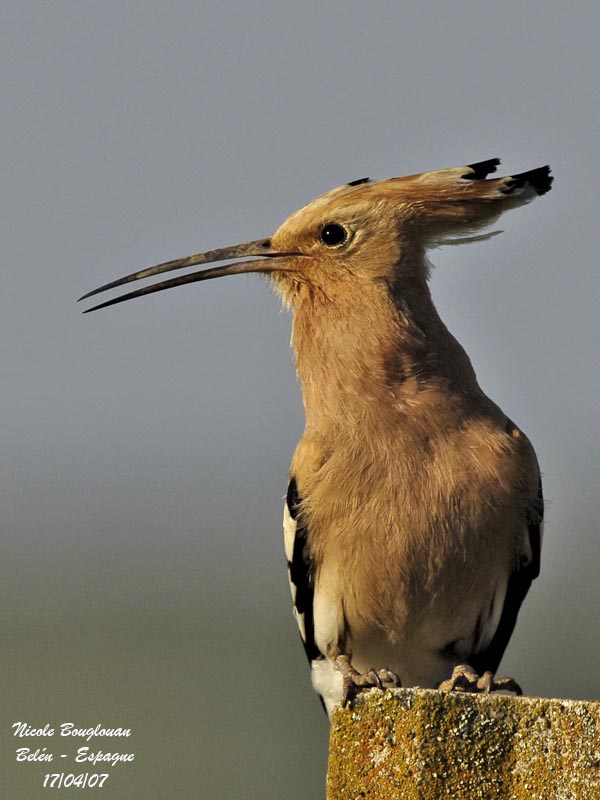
x,y
518,586
300,570
326,680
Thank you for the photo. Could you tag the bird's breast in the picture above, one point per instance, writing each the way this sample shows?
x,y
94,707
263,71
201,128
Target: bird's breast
x,y
394,524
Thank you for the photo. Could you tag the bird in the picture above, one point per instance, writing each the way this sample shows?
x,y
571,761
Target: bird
x,y
413,519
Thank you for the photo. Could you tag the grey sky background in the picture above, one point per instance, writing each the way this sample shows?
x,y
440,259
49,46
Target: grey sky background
x,y
144,449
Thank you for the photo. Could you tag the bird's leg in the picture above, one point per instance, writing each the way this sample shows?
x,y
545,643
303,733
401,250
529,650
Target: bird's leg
x,y
465,679
356,682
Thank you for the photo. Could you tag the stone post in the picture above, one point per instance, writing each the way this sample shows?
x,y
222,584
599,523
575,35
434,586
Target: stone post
x,y
415,744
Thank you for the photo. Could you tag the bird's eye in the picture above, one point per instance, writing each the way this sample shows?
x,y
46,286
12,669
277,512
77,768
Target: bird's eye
x,y
333,234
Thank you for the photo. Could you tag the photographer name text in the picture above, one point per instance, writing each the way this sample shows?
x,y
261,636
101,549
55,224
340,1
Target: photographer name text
x,y
86,755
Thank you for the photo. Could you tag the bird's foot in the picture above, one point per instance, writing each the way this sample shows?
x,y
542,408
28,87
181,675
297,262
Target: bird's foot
x,y
356,682
465,679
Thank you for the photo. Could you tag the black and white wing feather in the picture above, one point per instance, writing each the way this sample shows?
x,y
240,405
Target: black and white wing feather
x,y
300,570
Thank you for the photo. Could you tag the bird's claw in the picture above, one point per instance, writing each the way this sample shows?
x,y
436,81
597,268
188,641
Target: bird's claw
x,y
356,682
465,679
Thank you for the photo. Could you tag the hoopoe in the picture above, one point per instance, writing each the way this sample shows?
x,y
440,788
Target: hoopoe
x,y
413,519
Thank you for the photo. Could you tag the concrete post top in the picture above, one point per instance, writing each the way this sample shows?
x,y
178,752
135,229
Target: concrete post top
x,y
415,744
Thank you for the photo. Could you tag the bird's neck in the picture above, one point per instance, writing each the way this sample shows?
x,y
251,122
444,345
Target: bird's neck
x,y
373,352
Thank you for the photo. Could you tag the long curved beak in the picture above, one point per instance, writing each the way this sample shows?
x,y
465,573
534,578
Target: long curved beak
x,y
269,260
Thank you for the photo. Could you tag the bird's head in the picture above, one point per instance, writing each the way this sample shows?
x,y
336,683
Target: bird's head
x,y
361,232
352,233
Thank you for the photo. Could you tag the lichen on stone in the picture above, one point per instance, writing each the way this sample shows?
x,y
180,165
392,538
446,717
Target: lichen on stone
x,y
413,744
